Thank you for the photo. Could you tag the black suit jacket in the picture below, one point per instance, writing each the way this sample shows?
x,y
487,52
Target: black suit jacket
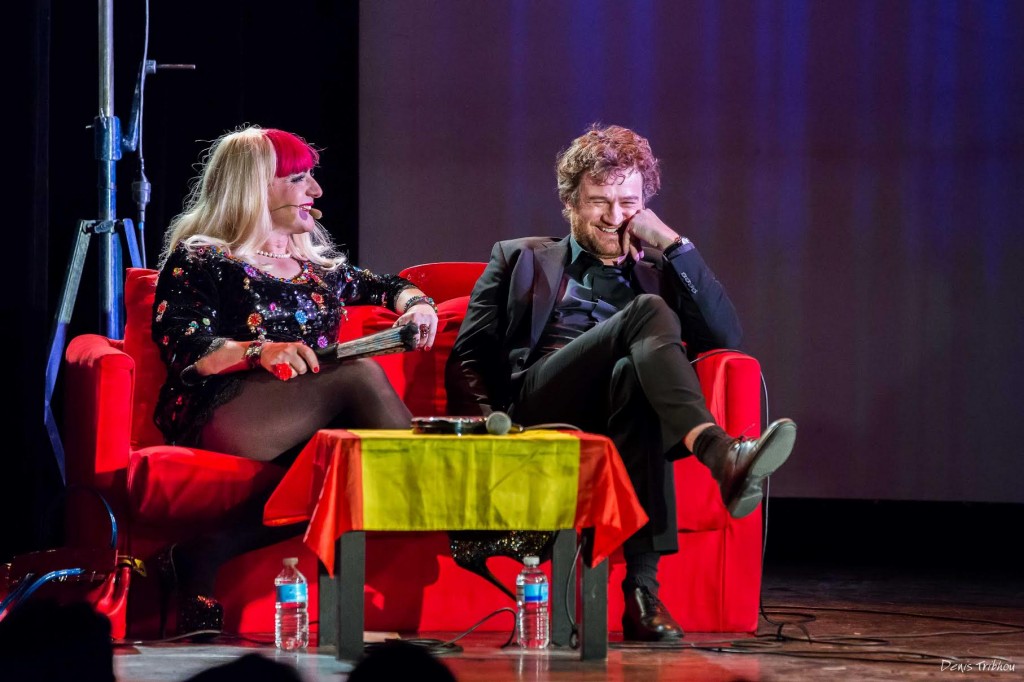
x,y
514,297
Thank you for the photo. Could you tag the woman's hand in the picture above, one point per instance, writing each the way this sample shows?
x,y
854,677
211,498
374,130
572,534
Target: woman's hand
x,y
287,359
423,315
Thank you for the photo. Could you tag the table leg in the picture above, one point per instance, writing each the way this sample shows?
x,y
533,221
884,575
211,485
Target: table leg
x,y
594,617
341,614
563,601
327,630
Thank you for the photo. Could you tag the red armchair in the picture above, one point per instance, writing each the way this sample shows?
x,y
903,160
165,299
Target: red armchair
x,y
162,493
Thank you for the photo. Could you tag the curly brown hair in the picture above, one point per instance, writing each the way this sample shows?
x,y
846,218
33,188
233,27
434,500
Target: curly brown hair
x,y
605,153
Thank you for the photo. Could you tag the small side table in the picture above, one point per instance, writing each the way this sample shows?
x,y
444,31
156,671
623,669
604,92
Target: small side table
x,y
343,484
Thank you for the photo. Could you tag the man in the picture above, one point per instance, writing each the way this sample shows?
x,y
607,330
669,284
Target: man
x,y
587,330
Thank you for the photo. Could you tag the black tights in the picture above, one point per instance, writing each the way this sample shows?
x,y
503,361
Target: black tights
x,y
271,420
271,417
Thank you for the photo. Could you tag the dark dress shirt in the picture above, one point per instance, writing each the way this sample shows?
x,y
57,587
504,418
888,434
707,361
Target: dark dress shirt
x,y
590,293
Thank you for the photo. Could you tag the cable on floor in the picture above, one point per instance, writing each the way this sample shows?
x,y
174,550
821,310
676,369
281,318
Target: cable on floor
x,y
842,647
207,634
440,647
570,586
436,647
1013,628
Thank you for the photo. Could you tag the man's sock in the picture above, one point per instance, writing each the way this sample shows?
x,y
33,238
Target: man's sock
x,y
710,445
642,571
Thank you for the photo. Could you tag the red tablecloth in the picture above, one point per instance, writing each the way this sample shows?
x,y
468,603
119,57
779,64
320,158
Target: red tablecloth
x,y
325,487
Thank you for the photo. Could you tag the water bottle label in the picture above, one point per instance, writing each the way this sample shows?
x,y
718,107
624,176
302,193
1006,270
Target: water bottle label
x,y
535,592
291,592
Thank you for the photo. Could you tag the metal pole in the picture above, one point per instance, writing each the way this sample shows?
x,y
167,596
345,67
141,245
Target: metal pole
x,y
107,130
107,148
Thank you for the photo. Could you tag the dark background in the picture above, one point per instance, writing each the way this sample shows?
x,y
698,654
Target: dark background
x,y
852,170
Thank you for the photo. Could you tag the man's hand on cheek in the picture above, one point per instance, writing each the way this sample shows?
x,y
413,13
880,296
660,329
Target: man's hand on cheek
x,y
629,245
646,226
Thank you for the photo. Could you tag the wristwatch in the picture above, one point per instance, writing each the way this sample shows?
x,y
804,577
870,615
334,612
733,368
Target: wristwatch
x,y
680,242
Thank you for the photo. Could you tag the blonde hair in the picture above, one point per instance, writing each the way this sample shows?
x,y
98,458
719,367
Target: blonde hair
x,y
227,203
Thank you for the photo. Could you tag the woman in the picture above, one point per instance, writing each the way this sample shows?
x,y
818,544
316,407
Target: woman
x,y
250,286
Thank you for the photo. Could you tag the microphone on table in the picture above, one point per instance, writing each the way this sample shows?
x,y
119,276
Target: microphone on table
x,y
495,424
499,423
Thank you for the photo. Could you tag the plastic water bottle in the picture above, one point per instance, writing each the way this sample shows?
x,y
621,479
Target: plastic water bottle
x,y
532,605
291,617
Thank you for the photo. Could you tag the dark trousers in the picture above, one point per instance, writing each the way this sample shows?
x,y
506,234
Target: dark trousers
x,y
629,379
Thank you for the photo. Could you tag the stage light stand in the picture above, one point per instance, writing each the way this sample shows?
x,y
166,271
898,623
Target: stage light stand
x,y
108,146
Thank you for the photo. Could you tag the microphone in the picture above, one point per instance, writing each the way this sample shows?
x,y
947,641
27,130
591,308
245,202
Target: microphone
x,y
495,424
498,423
316,213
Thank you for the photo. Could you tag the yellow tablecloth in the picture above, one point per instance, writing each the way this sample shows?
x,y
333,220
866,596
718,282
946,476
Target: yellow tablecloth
x,y
398,480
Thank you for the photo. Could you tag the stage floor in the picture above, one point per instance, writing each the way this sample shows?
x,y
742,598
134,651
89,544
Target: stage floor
x,y
838,623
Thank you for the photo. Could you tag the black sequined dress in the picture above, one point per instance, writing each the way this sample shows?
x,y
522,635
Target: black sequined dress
x,y
205,296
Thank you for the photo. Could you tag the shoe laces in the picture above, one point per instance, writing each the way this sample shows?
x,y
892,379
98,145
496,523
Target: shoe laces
x,y
654,600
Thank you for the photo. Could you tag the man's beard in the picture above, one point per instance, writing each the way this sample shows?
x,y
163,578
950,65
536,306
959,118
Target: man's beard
x,y
587,239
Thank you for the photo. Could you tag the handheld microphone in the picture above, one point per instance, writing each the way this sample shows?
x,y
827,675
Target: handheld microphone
x,y
495,424
498,424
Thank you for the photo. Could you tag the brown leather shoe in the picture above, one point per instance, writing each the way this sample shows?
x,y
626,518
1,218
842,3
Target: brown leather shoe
x,y
742,468
646,619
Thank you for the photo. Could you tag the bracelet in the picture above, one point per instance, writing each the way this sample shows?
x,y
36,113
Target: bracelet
x,y
416,300
253,352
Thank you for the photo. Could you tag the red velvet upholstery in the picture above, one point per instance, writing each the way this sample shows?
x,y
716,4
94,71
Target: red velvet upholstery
x,y
444,281
175,485
163,493
150,371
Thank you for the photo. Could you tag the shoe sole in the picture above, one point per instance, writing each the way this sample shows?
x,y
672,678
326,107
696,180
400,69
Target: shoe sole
x,y
778,441
652,637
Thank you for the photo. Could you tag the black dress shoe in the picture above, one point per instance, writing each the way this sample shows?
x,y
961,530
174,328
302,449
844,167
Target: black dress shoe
x,y
646,619
742,467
